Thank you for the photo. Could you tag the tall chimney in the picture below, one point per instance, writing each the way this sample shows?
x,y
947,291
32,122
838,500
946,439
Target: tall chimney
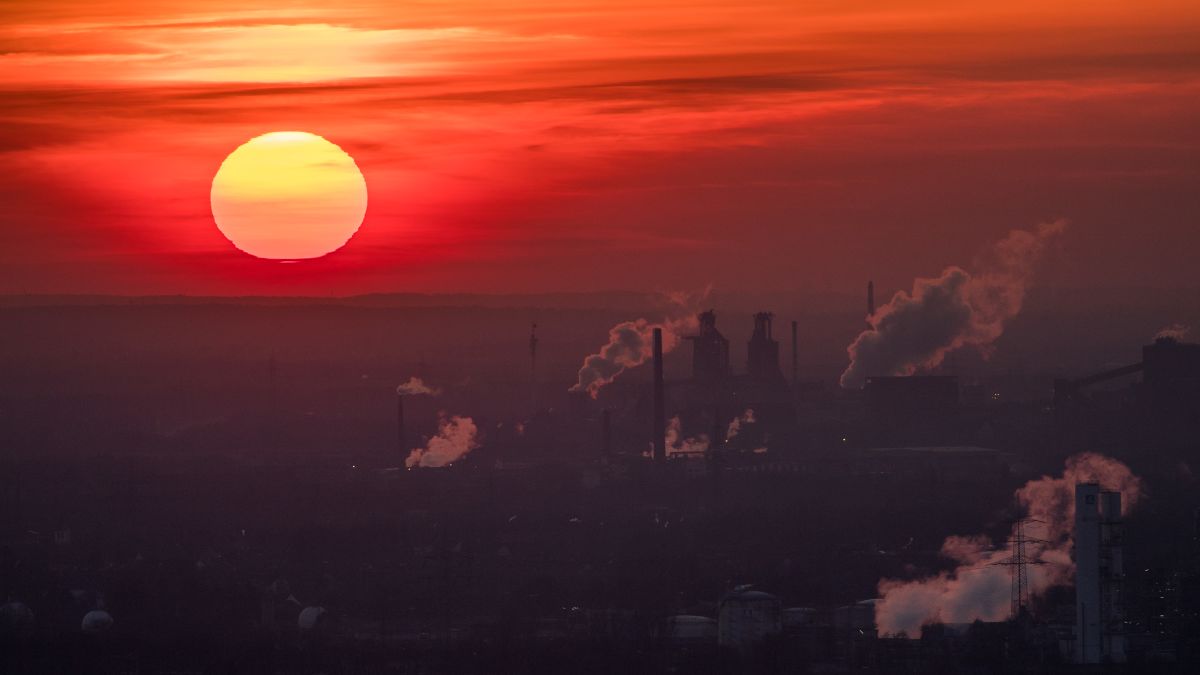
x,y
795,352
401,441
533,343
870,298
273,424
718,430
605,432
660,403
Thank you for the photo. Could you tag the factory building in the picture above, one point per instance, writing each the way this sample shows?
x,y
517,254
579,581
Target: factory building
x,y
710,350
912,410
912,394
1171,374
1169,394
747,618
1170,371
1172,368
689,629
1099,576
958,464
762,352
714,395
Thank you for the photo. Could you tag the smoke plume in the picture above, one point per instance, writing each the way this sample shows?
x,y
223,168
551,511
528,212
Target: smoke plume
x,y
915,331
676,443
456,437
1175,331
735,427
415,386
631,343
978,588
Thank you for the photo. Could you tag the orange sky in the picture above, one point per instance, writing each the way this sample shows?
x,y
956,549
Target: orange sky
x,y
525,145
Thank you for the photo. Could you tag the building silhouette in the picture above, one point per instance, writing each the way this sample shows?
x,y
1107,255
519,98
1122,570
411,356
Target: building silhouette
x,y
762,352
710,350
1099,576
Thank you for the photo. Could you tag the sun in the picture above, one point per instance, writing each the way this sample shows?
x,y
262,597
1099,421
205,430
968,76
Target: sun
x,y
288,195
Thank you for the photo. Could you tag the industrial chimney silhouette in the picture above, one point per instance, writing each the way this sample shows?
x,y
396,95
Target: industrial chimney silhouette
x,y
870,299
533,344
605,432
718,430
795,352
401,441
762,352
660,404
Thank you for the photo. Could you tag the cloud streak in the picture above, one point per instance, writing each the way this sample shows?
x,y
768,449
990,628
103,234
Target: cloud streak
x,y
492,135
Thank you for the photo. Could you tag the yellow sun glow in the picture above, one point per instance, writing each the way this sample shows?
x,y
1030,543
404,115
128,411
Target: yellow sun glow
x,y
288,195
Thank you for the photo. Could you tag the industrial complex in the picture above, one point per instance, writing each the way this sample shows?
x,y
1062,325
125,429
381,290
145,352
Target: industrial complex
x,y
714,513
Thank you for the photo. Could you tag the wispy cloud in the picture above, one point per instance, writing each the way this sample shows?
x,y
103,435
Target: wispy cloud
x,y
502,131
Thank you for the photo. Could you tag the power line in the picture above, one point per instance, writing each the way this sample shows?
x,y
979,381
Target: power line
x,y
1018,564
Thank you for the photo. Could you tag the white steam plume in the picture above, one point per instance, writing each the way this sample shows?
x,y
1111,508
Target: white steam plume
x,y
1175,331
415,386
631,343
915,331
456,437
976,589
676,443
735,427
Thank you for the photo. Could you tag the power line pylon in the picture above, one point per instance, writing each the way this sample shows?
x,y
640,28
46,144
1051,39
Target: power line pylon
x,y
1018,564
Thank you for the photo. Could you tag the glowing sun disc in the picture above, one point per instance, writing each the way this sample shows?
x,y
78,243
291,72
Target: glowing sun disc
x,y
288,195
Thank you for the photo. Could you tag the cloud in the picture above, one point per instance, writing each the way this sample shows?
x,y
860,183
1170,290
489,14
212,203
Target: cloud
x,y
796,123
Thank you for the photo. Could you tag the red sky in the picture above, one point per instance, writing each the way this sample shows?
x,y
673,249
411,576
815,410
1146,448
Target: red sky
x,y
536,145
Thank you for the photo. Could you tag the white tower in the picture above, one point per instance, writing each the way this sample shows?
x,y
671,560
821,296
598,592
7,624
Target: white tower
x,y
1112,579
1099,576
1087,573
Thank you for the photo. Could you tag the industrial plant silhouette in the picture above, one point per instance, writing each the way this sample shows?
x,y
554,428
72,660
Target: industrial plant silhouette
x,y
595,337
698,511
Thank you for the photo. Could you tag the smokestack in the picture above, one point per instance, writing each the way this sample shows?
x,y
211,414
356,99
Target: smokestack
x,y
533,343
718,430
795,352
870,299
273,424
1088,583
401,441
605,432
660,404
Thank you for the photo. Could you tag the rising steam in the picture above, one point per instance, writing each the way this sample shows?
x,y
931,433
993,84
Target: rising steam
x,y
415,386
915,331
676,443
978,589
735,427
631,343
456,437
1175,331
